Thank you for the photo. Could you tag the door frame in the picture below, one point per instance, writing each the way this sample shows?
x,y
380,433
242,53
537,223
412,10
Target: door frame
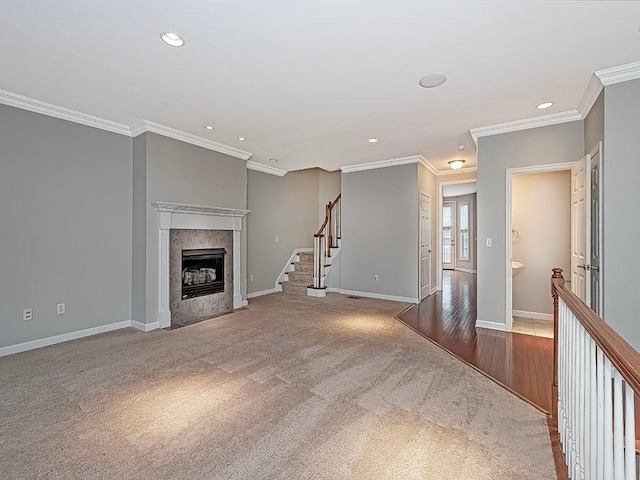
x,y
454,232
510,172
440,204
431,287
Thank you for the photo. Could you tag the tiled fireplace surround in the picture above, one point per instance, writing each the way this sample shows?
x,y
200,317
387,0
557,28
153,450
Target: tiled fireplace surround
x,y
197,226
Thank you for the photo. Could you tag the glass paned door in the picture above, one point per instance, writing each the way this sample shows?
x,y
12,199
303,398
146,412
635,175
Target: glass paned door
x,y
448,223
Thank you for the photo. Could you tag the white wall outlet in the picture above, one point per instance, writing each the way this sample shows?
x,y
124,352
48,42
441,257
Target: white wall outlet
x,y
27,314
489,242
375,278
276,239
61,309
251,278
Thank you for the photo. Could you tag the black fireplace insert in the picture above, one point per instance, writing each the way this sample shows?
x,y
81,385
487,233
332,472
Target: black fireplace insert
x,y
202,272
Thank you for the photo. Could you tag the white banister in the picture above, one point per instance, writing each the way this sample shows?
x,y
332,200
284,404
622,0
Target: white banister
x,y
595,380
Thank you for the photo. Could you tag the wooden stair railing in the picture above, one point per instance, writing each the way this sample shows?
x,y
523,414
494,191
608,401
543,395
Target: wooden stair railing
x,y
326,239
596,379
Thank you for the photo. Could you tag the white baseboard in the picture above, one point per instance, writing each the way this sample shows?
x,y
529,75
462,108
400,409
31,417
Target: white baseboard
x,y
245,303
466,270
65,337
145,327
534,315
491,325
380,296
262,292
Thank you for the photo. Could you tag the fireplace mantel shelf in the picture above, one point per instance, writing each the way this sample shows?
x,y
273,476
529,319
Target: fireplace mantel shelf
x,y
167,207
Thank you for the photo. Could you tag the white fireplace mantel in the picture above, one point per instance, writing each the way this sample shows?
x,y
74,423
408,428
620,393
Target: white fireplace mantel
x,y
195,217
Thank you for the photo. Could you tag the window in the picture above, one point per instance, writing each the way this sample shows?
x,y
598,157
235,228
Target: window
x,y
447,227
463,229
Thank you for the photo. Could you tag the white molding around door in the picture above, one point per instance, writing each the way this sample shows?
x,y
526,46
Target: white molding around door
x,y
510,172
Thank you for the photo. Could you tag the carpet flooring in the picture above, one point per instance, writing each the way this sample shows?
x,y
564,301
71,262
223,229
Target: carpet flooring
x,y
291,387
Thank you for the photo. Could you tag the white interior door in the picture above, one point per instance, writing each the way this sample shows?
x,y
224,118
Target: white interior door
x,y
580,229
425,245
595,270
448,235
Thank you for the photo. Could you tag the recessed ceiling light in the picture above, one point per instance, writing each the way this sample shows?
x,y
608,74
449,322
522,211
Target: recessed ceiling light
x,y
274,160
544,105
172,39
432,80
373,140
209,127
242,139
456,164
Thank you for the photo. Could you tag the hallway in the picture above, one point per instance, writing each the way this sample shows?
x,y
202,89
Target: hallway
x,y
522,363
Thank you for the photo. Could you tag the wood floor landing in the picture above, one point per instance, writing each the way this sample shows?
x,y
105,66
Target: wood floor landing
x,y
522,363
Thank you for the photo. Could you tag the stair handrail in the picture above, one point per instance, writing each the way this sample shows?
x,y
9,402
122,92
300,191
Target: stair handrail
x,y
326,239
594,414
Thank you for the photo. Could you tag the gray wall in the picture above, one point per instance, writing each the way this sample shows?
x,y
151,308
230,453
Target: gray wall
x,y
594,124
621,171
184,173
139,241
380,231
538,146
286,207
65,223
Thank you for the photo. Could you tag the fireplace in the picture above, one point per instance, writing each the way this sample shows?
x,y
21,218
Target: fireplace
x,y
202,272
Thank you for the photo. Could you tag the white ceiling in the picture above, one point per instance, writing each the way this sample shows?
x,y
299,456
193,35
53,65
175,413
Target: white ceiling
x,y
308,82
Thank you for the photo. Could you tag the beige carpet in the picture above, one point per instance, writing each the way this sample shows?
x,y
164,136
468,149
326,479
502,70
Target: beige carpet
x,y
291,388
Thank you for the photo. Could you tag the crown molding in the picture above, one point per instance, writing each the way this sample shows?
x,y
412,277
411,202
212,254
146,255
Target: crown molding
x,y
392,162
261,167
149,126
429,166
525,124
590,95
621,73
31,104
460,170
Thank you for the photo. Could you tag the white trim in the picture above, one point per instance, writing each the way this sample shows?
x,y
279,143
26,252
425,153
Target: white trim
x,y
261,167
380,296
288,268
65,337
465,270
63,113
590,95
491,325
187,208
145,327
439,216
428,195
429,166
317,292
245,303
433,290
460,170
533,315
621,73
149,126
262,292
525,124
508,272
392,162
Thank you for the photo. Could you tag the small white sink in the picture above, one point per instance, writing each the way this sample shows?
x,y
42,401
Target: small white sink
x,y
516,267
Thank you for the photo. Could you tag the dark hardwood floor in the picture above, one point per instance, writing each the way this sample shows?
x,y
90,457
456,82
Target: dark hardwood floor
x,y
521,363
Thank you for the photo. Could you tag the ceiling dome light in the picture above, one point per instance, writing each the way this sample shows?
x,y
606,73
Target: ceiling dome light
x,y
172,39
209,127
373,140
432,80
456,164
544,105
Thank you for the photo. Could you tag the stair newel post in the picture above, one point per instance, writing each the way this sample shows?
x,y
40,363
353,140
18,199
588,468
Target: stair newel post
x,y
557,281
329,209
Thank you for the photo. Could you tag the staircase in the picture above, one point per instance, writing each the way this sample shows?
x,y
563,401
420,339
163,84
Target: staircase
x,y
307,271
301,276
